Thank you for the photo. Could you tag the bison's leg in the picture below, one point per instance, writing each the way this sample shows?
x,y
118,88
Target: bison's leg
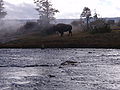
x,y
57,33
61,34
70,33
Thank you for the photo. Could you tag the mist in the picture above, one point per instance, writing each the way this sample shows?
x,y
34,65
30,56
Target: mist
x,y
8,28
10,25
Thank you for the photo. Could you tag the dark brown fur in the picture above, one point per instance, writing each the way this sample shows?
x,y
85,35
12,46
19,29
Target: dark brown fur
x,y
61,28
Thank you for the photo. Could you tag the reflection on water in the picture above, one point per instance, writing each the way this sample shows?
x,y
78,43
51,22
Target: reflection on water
x,y
60,69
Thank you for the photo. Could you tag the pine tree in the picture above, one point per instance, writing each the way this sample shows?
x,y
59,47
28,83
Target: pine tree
x,y
86,13
46,11
2,12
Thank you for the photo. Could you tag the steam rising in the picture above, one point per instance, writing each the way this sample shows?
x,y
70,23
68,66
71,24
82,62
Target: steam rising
x,y
8,28
10,25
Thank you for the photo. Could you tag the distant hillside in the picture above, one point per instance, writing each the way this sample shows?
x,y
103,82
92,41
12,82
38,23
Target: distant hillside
x,y
23,21
67,21
115,18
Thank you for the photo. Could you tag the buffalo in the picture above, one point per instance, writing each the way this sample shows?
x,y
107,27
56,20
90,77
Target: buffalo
x,y
61,28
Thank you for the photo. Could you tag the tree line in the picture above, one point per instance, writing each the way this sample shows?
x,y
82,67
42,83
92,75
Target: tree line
x,y
46,14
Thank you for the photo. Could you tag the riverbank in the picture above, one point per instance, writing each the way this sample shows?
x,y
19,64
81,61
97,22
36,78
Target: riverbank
x,y
78,40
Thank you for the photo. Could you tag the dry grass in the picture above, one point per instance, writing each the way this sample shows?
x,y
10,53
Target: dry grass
x,y
79,39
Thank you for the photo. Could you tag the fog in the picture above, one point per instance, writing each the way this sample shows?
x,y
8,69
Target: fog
x,y
8,28
10,25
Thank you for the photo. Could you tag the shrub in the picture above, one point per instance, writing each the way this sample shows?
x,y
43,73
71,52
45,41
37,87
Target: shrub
x,y
118,23
30,25
48,30
34,27
103,29
100,26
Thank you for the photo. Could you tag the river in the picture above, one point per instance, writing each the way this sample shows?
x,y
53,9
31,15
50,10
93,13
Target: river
x,y
60,69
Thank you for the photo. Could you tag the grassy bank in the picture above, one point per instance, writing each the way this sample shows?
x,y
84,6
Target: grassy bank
x,y
78,40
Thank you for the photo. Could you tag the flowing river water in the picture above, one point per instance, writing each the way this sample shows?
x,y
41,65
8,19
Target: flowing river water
x,y
60,69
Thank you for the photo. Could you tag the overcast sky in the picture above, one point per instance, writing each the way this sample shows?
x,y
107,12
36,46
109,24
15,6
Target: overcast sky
x,y
22,9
